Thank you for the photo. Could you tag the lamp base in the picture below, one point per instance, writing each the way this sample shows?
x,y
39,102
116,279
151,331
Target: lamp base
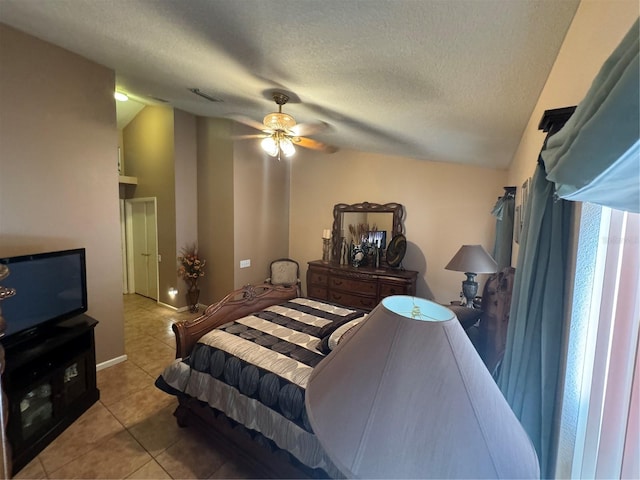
x,y
469,289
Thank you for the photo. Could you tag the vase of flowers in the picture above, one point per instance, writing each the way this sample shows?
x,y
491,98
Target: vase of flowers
x,y
362,250
191,269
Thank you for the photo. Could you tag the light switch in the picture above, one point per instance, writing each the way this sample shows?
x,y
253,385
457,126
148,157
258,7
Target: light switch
x,y
245,263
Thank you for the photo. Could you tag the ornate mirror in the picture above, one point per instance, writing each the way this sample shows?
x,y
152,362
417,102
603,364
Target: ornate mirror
x,y
387,218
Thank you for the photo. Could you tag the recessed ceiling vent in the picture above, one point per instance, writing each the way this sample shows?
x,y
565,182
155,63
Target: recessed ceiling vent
x,y
202,94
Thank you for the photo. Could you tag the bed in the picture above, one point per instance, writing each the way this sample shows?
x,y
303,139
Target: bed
x,y
241,371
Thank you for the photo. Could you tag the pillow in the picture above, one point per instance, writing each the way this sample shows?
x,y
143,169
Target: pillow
x,y
341,332
324,345
329,328
466,316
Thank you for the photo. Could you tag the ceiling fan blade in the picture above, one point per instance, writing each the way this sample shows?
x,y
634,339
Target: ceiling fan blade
x,y
314,144
309,128
246,137
248,121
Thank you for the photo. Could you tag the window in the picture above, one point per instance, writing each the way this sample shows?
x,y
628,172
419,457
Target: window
x,y
600,412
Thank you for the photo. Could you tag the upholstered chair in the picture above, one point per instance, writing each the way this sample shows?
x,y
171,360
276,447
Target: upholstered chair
x,y
285,271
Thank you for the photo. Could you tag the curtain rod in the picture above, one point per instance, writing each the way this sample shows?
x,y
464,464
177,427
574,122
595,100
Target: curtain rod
x,y
555,118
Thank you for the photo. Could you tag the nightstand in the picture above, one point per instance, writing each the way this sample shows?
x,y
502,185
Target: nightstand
x,y
467,317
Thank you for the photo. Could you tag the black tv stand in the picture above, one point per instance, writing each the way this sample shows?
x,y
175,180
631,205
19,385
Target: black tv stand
x,y
50,380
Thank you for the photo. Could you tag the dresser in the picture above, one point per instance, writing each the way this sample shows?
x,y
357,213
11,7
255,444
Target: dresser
x,y
359,287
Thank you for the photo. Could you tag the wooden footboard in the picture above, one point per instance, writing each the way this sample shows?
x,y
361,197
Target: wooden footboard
x,y
269,464
239,303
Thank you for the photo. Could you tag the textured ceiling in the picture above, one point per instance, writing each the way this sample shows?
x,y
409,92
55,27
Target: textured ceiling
x,y
445,80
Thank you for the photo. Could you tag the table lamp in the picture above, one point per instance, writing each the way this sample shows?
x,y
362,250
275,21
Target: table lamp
x,y
471,259
407,396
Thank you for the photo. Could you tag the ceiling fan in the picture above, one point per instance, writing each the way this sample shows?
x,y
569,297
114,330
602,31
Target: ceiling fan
x,y
281,133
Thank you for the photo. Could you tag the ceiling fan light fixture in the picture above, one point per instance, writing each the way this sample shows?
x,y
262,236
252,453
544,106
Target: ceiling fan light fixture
x,y
279,121
270,146
281,134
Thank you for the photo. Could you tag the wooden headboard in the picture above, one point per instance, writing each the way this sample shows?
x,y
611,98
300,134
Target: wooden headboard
x,y
237,304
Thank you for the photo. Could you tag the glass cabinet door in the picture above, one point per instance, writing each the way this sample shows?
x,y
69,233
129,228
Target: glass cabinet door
x,y
36,409
74,381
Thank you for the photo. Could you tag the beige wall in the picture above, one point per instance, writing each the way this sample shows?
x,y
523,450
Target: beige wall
x,y
58,168
261,211
149,156
597,28
215,207
228,198
186,177
243,209
446,206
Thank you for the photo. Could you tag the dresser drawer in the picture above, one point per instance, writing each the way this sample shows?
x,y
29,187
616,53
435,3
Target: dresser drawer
x,y
352,300
317,278
357,287
388,289
352,285
315,291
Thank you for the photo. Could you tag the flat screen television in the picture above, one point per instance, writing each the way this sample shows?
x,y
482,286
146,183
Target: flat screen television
x,y
50,287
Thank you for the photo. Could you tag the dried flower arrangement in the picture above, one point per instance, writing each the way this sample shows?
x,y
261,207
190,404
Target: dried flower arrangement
x,y
360,232
191,265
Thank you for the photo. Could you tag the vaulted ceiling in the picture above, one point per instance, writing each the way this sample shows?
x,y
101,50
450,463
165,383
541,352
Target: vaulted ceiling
x,y
444,80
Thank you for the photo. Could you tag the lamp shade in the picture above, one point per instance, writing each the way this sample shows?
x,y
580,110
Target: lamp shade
x,y
407,396
472,258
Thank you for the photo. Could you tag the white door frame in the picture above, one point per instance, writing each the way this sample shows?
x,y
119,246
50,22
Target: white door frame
x,y
123,248
129,234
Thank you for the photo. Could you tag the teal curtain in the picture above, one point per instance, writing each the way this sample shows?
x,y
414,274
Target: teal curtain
x,y
531,366
595,157
504,211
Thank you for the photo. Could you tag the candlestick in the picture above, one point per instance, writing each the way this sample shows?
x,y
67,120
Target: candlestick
x,y
326,250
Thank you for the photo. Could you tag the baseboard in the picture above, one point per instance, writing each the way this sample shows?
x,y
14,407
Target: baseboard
x,y
110,363
170,306
182,309
201,308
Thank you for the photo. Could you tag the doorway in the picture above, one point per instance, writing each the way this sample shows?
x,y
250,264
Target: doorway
x,y
142,246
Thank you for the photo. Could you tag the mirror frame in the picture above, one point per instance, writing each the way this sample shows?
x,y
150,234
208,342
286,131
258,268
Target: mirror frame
x,y
395,208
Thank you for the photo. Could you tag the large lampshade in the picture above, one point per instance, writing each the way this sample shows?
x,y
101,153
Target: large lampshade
x,y
471,259
407,396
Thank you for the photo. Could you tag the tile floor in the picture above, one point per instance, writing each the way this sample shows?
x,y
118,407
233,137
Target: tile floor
x,y
131,432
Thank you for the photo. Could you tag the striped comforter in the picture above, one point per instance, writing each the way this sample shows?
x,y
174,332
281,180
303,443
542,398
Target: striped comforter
x,y
255,370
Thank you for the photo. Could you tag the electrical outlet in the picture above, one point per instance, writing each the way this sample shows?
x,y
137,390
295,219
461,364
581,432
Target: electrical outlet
x,y
245,263
159,258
